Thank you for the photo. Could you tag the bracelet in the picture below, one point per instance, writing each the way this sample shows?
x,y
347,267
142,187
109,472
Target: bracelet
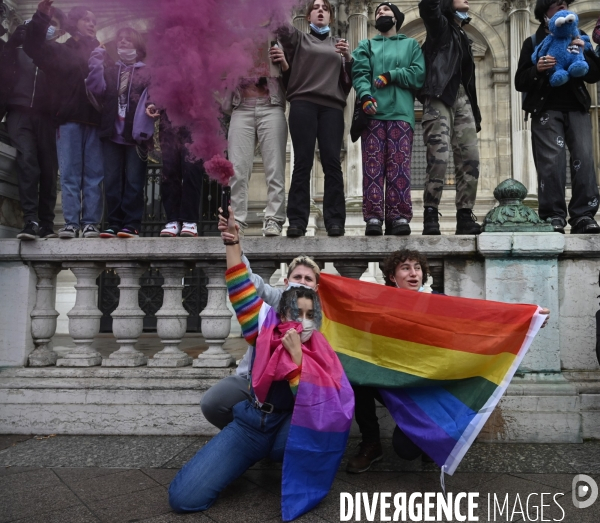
x,y
231,243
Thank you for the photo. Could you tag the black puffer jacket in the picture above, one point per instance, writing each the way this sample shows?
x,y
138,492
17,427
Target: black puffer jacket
x,y
537,85
66,67
443,50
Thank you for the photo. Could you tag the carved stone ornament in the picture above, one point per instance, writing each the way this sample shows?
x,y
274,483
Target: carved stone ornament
x,y
512,215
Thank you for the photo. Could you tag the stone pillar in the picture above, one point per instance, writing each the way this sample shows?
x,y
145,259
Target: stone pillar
x,y
84,317
351,268
523,167
172,317
523,268
43,315
358,11
265,268
128,317
216,317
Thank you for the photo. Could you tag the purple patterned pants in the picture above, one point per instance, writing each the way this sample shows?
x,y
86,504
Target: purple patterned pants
x,y
386,154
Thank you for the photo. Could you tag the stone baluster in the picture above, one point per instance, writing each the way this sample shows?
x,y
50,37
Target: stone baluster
x,y
351,268
84,317
264,268
44,315
128,317
216,317
171,318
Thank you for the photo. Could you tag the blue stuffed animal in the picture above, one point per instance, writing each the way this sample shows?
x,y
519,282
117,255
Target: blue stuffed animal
x,y
570,62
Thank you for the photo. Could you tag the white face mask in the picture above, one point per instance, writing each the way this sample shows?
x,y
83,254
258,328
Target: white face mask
x,y
50,32
127,55
308,326
292,284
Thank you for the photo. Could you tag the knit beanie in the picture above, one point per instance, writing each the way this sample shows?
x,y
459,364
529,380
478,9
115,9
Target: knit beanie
x,y
398,15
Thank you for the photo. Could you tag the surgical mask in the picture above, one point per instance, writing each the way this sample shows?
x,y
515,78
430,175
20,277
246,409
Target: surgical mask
x,y
127,55
319,30
384,23
461,16
308,326
51,32
294,284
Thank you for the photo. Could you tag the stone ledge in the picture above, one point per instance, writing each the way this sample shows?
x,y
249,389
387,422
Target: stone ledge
x,y
211,248
582,245
118,372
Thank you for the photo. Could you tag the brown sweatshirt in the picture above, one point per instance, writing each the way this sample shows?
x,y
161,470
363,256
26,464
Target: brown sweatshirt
x,y
317,72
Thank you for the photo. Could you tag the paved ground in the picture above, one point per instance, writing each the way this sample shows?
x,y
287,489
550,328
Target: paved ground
x,y
69,479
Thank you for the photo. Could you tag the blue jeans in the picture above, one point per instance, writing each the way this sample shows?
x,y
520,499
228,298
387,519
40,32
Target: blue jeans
x,y
81,173
124,181
251,436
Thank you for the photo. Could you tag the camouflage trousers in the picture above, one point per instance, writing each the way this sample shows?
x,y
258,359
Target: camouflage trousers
x,y
446,128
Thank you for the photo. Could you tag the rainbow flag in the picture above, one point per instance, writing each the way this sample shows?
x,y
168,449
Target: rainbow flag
x,y
322,415
442,363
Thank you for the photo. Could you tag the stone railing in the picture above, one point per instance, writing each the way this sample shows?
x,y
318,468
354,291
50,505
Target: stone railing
x,y
31,268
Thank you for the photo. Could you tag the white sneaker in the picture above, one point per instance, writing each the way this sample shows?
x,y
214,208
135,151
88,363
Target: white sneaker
x,y
171,230
189,229
271,228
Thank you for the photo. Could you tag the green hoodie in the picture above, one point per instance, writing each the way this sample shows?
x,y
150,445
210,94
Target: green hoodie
x,y
402,58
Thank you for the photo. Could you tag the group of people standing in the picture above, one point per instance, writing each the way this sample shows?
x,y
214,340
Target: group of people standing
x,y
72,109
318,71
69,105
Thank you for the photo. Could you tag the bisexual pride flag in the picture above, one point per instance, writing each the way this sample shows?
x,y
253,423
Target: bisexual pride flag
x,y
441,363
322,415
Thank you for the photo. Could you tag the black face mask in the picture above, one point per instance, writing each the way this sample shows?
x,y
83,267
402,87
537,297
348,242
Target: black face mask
x,y
384,23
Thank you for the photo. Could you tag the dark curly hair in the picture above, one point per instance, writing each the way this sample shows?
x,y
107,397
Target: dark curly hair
x,y
288,305
388,266
75,14
542,6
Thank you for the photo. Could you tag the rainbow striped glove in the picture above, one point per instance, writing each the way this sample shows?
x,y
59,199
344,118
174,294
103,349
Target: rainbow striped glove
x,y
382,80
368,102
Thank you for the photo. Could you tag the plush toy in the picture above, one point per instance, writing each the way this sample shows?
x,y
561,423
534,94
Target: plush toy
x,y
570,62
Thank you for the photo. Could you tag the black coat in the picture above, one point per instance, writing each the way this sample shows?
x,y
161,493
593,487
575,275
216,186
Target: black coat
x,y
537,85
443,49
66,67
110,101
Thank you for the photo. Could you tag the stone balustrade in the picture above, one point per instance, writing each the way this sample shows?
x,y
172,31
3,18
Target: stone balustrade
x,y
42,261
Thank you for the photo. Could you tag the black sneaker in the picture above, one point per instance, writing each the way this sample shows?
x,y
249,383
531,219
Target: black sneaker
x,y
558,225
466,222
128,232
585,225
373,227
68,231
336,230
294,231
431,222
30,232
111,232
400,227
47,232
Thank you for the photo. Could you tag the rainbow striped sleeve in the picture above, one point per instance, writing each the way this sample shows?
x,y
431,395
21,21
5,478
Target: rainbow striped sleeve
x,y
245,301
293,379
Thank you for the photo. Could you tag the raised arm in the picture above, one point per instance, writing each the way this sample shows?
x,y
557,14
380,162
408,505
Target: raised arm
x,y
95,81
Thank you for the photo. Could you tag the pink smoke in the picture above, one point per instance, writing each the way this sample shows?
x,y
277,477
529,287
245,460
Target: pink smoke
x,y
200,48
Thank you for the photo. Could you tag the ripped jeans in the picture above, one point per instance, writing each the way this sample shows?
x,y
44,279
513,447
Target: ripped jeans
x,y
552,132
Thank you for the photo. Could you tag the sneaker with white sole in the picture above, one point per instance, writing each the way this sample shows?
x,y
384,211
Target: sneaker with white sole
x,y
189,229
68,231
271,228
90,231
171,230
